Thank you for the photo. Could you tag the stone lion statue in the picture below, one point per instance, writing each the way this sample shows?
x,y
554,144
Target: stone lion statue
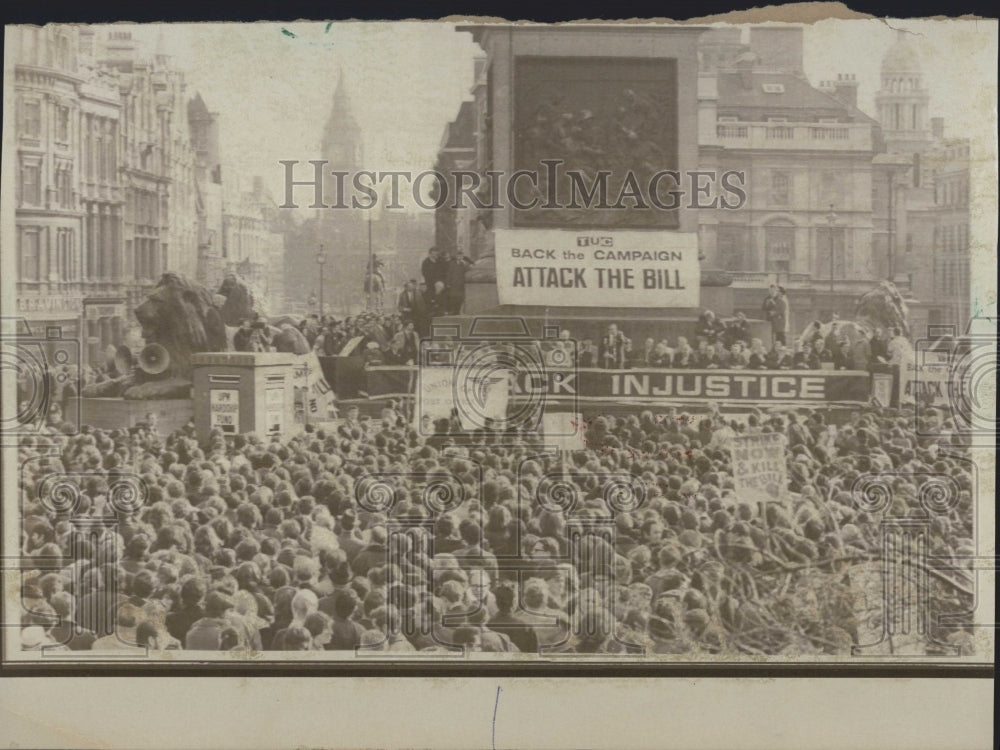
x,y
183,318
883,307
238,303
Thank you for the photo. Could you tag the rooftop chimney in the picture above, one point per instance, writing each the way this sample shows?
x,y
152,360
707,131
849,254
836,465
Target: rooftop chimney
x,y
845,88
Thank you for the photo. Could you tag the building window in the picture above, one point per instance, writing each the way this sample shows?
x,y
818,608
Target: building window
x,y
31,187
780,188
29,255
779,247
88,154
63,261
62,124
99,154
731,245
140,261
110,154
31,122
64,186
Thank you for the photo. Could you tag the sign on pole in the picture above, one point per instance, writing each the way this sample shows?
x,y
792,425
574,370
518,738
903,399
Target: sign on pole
x,y
314,399
759,470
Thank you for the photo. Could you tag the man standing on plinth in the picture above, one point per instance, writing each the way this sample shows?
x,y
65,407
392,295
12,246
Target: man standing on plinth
x,y
779,318
434,270
455,282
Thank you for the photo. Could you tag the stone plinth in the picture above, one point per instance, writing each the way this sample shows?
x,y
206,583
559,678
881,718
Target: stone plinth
x,y
240,392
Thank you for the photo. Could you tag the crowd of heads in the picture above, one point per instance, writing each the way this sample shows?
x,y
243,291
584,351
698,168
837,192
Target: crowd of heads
x,y
367,535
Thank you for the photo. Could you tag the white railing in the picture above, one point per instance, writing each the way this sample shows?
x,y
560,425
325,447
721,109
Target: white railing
x,y
841,137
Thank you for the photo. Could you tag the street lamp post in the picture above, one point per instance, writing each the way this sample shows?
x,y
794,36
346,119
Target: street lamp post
x,y
832,220
320,261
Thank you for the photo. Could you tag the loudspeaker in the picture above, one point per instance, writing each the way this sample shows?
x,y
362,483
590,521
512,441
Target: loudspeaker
x,y
154,359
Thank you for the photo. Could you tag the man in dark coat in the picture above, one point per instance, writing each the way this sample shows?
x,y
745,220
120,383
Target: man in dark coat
x,y
434,269
455,283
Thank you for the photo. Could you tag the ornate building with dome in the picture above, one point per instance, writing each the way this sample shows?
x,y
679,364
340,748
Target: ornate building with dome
x,y
902,100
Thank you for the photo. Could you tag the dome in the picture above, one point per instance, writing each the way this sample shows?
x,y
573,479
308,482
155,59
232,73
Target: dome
x,y
902,56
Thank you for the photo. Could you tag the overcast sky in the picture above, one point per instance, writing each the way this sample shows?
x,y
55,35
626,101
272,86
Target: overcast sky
x,y
272,84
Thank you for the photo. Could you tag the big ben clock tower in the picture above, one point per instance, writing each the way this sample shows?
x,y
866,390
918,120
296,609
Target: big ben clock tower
x,y
341,229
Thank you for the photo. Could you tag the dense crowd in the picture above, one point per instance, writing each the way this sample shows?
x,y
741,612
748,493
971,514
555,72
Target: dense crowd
x,y
245,545
727,344
394,339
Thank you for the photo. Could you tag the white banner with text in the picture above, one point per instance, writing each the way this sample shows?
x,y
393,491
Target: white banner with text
x,y
597,268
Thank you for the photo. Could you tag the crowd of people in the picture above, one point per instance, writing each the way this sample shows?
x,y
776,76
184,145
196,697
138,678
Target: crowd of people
x,y
247,545
727,344
390,338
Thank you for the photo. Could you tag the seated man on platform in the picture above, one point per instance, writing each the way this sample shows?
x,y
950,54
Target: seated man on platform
x,y
842,357
710,327
820,354
395,354
643,357
684,355
661,356
705,356
757,358
737,329
739,356
723,357
780,358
